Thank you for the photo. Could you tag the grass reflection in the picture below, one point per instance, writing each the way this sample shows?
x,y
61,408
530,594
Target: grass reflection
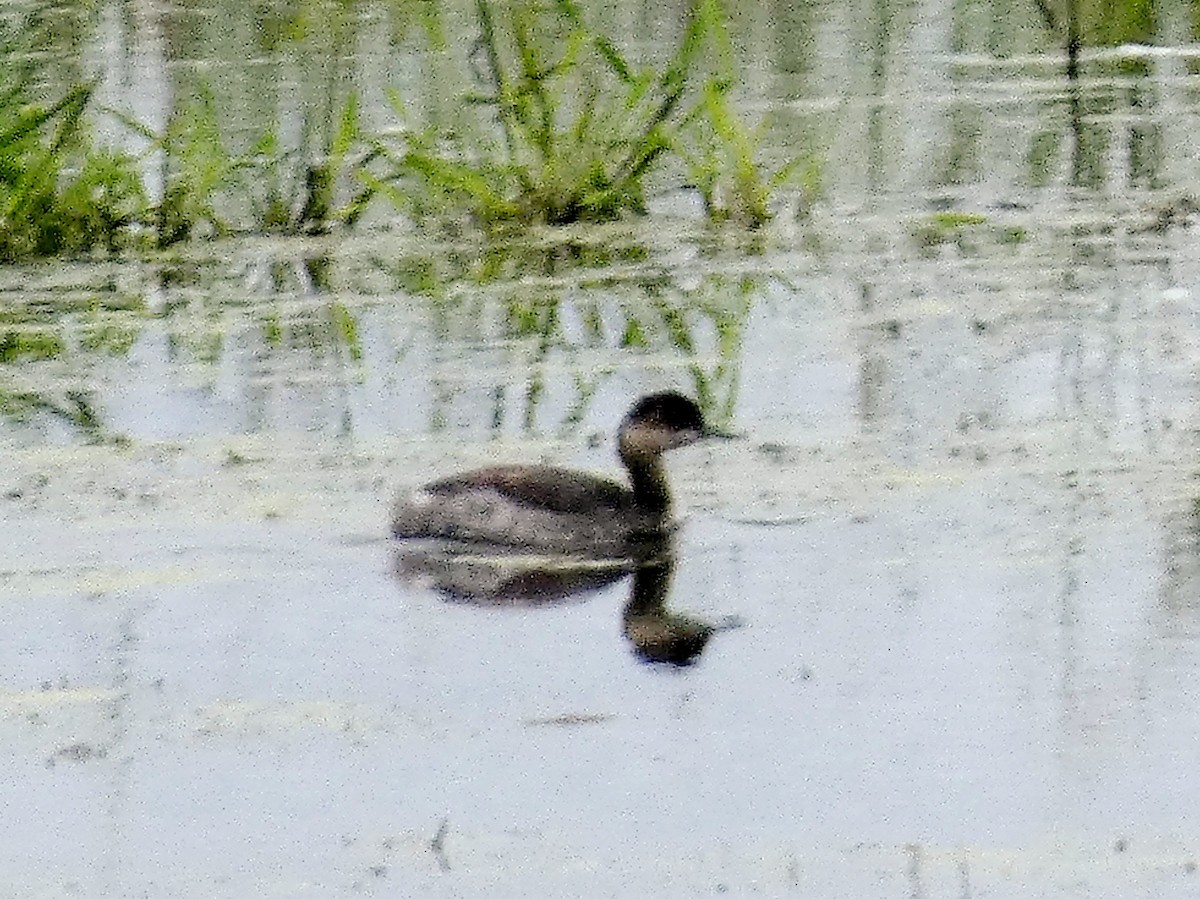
x,y
535,349
48,342
330,330
75,408
577,327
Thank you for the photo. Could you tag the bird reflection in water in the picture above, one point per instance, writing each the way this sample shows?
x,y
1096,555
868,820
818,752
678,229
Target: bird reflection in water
x,y
656,633
496,576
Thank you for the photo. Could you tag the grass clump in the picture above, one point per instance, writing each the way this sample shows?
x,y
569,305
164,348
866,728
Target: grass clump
x,y
21,344
720,154
57,193
559,127
210,190
554,126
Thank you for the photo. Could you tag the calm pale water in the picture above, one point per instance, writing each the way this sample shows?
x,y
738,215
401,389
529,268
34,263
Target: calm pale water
x,y
961,528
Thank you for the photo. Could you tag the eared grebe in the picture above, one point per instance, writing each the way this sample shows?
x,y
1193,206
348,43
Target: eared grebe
x,y
558,510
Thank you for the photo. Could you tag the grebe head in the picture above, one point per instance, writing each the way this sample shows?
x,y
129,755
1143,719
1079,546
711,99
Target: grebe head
x,y
660,422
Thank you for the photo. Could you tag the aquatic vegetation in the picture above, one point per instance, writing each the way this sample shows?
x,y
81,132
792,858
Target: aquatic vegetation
x,y
60,194
209,190
964,230
946,227
299,197
57,193
322,331
949,221
195,166
720,155
20,343
75,408
557,126
560,127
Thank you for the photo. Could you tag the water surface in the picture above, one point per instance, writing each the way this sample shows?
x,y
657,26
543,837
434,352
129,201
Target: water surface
x,y
960,528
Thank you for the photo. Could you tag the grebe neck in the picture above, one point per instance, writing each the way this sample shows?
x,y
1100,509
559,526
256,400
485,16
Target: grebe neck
x,y
648,479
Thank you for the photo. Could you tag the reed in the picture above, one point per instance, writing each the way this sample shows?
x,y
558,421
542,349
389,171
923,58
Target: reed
x,y
563,128
57,193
